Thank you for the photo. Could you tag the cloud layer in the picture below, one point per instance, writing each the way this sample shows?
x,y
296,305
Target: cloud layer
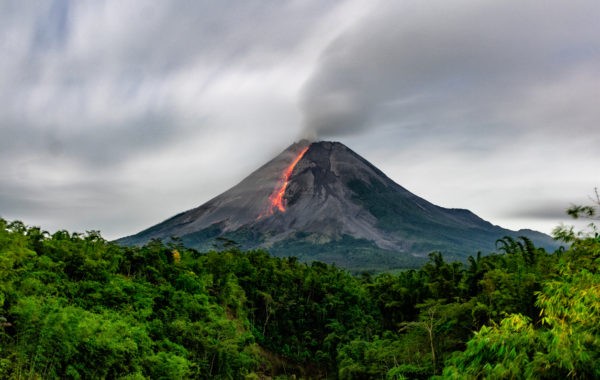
x,y
117,114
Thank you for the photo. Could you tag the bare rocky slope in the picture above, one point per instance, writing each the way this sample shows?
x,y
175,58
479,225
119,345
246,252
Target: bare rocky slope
x,y
338,208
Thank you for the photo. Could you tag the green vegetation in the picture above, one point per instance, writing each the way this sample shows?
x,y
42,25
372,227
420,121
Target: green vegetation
x,y
76,306
356,255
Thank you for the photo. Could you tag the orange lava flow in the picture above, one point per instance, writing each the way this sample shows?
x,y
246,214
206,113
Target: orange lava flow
x,y
276,198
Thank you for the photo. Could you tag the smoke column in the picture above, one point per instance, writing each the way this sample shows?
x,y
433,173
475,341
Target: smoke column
x,y
425,65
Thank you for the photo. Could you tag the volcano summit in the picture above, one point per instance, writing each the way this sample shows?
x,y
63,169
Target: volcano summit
x,y
321,201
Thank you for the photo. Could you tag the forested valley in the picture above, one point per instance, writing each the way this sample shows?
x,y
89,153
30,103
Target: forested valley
x,y
76,306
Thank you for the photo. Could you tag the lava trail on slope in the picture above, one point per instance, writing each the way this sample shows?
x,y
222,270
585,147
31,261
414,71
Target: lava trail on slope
x,y
276,201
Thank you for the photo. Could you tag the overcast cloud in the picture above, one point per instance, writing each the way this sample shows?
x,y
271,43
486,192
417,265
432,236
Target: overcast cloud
x,y
115,115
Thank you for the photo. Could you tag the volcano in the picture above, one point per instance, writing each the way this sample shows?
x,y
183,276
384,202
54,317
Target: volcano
x,y
322,201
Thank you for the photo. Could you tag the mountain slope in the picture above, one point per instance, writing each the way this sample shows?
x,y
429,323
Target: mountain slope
x,y
322,201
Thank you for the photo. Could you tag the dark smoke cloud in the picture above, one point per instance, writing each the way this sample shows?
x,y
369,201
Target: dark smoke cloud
x,y
460,64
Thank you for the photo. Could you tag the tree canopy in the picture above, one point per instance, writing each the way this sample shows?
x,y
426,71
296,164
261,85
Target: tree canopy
x,y
76,306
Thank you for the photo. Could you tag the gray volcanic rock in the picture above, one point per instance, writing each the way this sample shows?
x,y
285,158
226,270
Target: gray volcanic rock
x,y
339,209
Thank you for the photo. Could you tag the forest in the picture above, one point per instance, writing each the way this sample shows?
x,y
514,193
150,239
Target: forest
x,y
75,306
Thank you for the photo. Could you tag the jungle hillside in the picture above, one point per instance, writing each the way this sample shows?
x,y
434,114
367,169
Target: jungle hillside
x,y
75,306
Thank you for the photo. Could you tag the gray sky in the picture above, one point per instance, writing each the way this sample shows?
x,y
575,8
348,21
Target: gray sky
x,y
115,115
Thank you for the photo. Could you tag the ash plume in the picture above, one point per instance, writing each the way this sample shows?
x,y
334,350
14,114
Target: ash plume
x,y
459,65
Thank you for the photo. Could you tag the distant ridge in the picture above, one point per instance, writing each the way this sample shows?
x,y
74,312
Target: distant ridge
x,y
334,207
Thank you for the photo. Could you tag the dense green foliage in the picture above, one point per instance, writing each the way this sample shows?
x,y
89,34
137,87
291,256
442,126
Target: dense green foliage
x,y
76,306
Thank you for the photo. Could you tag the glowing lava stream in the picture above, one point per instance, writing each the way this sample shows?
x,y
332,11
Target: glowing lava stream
x,y
276,198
